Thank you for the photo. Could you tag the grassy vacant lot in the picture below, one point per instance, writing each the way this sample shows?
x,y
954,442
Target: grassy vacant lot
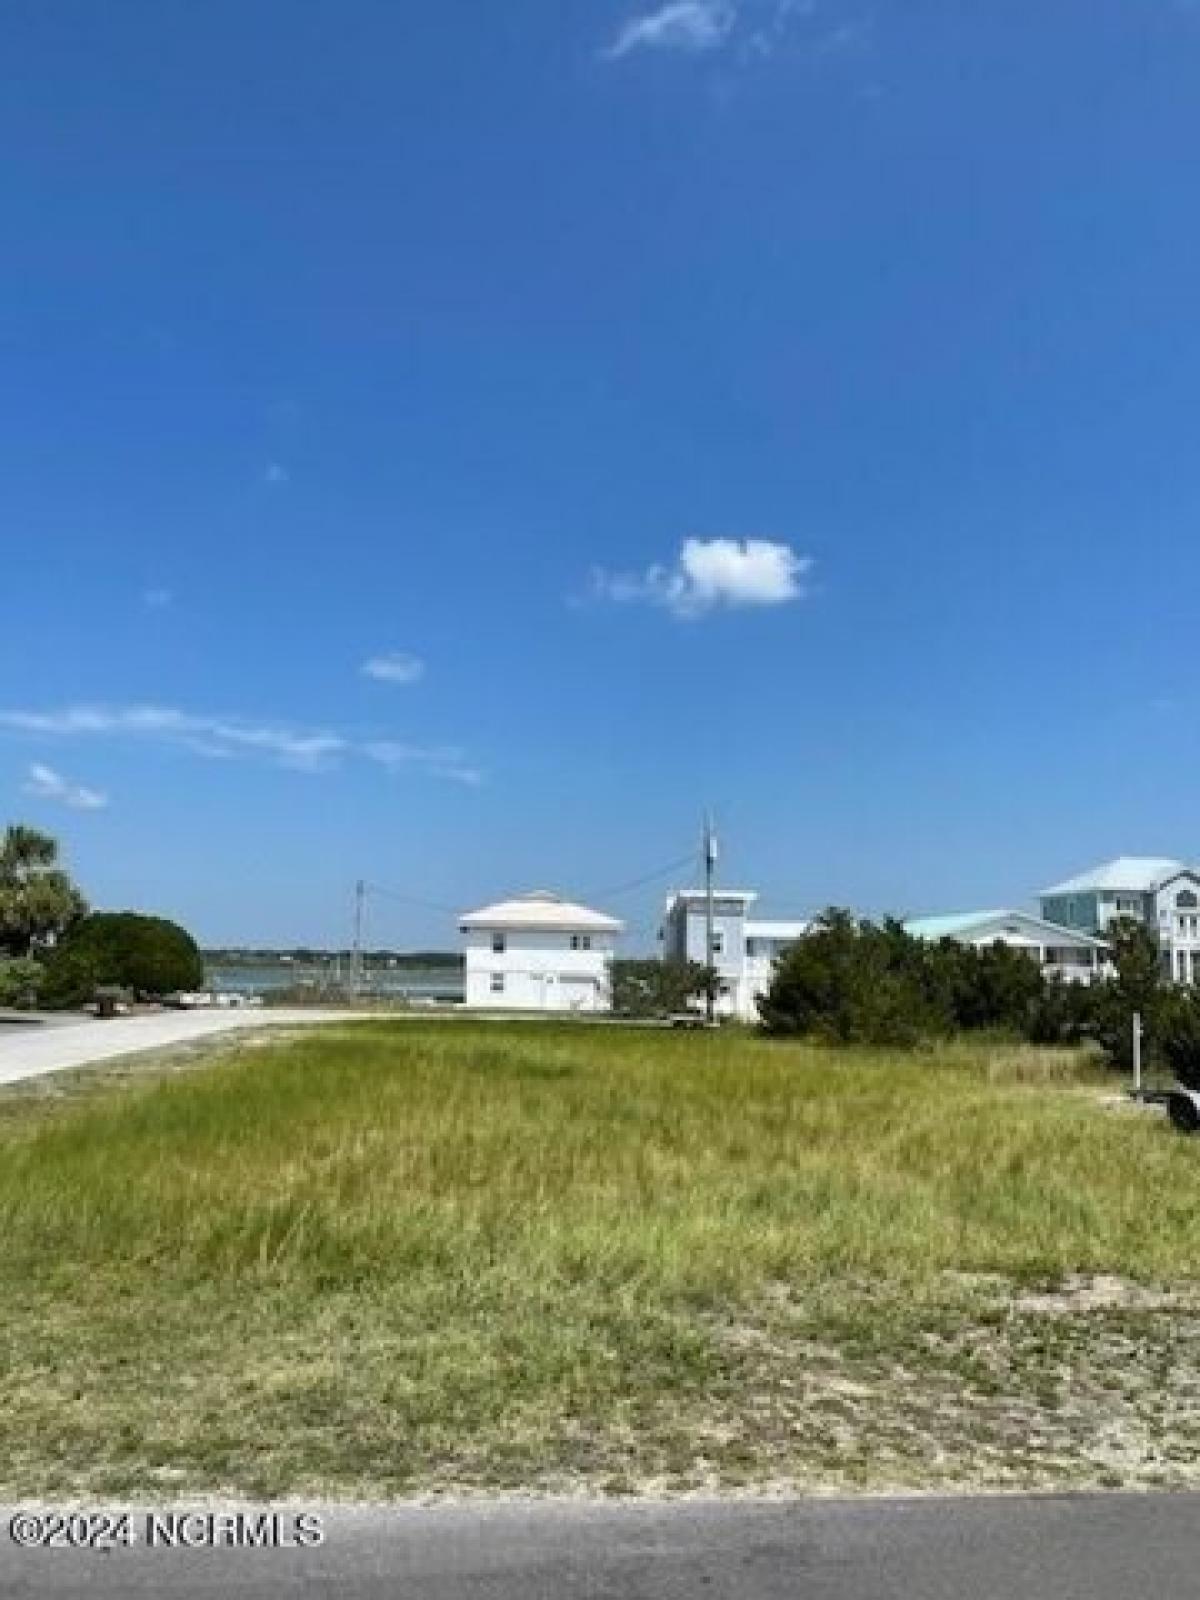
x,y
391,1258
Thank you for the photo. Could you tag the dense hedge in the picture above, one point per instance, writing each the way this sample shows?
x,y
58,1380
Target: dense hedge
x,y
857,982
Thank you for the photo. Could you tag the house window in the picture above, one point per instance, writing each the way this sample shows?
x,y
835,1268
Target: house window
x,y
497,983
498,944
1186,899
719,942
581,941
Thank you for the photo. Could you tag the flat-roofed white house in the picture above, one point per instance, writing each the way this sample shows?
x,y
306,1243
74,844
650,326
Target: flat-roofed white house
x,y
1060,952
1159,892
539,952
745,949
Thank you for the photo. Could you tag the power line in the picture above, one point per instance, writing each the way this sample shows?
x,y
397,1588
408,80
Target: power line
x,y
411,900
649,877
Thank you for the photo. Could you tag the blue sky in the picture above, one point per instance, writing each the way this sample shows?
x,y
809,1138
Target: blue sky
x,y
458,444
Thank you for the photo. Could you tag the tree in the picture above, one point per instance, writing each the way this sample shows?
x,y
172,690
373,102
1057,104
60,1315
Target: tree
x,y
1135,954
655,988
1138,986
38,901
1179,1035
853,982
148,955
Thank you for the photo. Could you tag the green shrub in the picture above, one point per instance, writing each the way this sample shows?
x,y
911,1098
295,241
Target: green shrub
x,y
855,982
859,982
1063,1013
148,955
1179,1036
20,981
655,988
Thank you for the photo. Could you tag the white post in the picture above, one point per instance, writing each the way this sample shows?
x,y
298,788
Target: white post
x,y
1137,1052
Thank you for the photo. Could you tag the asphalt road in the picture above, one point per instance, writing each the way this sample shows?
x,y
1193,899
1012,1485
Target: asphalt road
x,y
1029,1548
31,1052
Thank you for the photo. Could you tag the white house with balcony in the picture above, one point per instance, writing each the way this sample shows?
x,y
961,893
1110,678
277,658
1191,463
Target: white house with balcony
x,y
539,952
1060,952
1159,892
744,949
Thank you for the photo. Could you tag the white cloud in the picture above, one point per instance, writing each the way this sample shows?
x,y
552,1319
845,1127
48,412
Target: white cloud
x,y
438,761
50,785
211,736
395,667
688,25
275,475
157,599
711,573
229,738
752,30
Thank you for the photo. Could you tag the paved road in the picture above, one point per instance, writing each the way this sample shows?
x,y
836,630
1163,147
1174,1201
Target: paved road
x,y
1068,1548
32,1052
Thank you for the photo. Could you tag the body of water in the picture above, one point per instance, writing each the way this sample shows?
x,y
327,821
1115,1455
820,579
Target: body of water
x,y
400,983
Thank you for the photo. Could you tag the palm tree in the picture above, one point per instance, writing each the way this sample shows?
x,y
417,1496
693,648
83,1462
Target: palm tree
x,y
38,900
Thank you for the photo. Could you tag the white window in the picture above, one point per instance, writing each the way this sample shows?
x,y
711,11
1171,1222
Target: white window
x,y
498,944
719,942
581,941
497,983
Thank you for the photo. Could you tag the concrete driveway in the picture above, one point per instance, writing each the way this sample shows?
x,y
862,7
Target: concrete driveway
x,y
31,1052
1086,1547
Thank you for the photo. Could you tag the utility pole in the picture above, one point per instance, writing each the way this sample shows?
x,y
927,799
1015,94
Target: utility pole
x,y
360,895
710,942
1137,1055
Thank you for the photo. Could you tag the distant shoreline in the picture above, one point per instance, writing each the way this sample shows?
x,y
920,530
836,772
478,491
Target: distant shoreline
x,y
390,978
373,960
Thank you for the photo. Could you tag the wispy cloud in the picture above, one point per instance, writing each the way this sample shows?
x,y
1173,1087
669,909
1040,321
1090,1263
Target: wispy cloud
x,y
709,574
751,30
206,735
229,738
688,25
440,761
50,785
157,598
395,667
276,476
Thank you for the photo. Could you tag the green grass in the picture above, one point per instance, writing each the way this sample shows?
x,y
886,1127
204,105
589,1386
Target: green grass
x,y
394,1257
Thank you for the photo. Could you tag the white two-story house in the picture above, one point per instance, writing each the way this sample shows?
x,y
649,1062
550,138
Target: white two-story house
x,y
1159,892
539,952
745,950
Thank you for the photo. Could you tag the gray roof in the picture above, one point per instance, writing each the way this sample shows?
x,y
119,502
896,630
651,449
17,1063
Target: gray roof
x,y
973,924
1131,874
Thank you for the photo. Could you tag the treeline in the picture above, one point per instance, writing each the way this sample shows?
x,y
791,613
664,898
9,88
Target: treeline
x,y
853,981
57,953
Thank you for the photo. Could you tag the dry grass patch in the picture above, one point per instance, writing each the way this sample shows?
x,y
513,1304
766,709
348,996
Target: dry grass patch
x,y
388,1258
